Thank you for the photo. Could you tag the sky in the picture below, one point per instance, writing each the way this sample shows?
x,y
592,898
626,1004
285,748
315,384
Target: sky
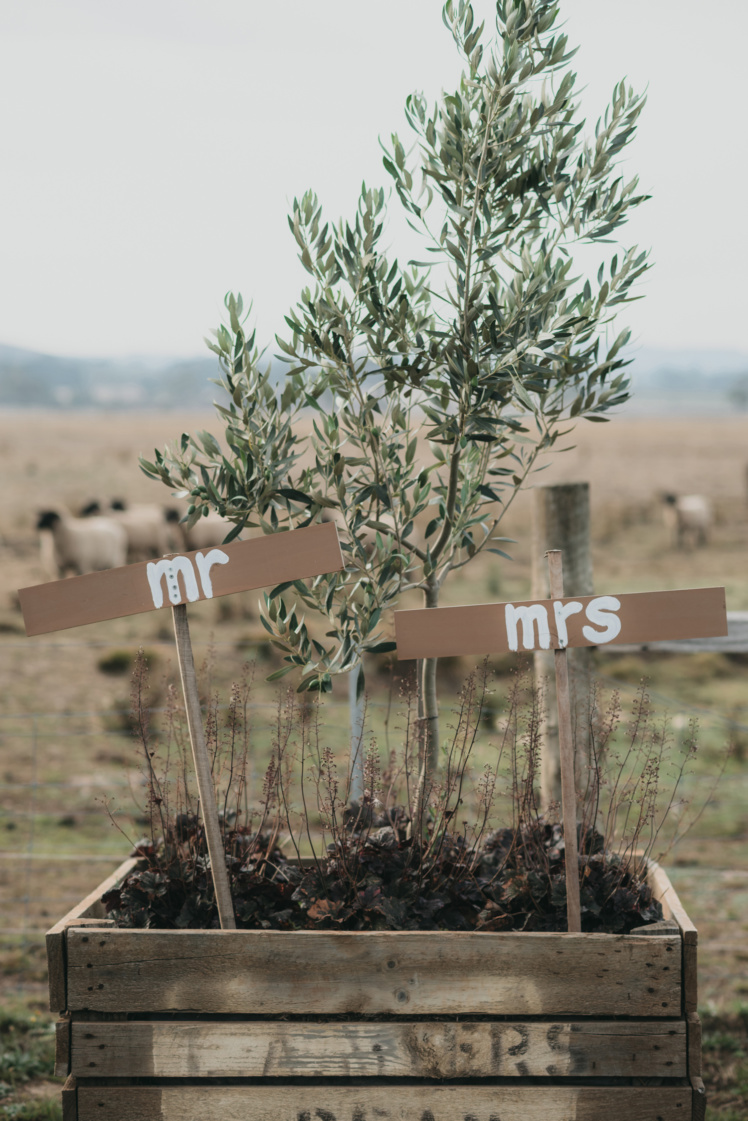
x,y
152,150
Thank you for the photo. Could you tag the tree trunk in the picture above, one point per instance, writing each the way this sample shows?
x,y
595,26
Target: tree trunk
x,y
428,725
429,701
561,520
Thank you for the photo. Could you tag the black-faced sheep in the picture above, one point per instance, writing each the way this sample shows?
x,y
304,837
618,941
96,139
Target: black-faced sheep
x,y
83,545
149,533
689,518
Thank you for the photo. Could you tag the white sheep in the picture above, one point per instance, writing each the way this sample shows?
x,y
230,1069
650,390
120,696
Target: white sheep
x,y
148,528
149,534
206,533
83,544
689,518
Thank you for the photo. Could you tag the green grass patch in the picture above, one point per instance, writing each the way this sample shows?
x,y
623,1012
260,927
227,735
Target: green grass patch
x,y
48,1109
27,1057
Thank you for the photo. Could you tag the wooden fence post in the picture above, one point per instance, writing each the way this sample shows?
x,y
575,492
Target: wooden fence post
x,y
561,520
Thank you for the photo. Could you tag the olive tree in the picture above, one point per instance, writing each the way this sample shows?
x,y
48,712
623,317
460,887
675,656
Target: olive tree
x,y
418,398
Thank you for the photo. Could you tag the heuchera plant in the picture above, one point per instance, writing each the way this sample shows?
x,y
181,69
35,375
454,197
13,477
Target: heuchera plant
x,y
305,856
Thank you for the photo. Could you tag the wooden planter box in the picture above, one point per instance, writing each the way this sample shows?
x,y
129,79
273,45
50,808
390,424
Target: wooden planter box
x,y
402,1026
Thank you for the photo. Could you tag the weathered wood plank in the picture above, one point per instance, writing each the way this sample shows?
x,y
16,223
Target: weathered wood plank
x,y
404,972
674,909
384,1103
62,1048
690,972
70,1099
55,938
699,1099
608,1049
694,1045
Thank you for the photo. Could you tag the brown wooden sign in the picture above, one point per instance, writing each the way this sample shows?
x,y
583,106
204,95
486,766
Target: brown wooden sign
x,y
181,578
554,624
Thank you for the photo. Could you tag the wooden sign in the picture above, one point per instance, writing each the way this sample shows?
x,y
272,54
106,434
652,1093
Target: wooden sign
x,y
173,581
181,578
554,624
557,623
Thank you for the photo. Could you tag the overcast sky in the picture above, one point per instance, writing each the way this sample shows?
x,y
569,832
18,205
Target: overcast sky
x,y
151,149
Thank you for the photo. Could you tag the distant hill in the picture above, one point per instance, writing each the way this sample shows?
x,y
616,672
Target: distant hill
x,y
29,379
687,383
665,382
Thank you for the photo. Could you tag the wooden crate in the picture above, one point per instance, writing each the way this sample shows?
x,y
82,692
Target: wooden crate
x,y
396,1026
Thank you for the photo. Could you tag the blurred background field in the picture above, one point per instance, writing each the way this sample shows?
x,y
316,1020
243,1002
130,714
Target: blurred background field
x,y
66,744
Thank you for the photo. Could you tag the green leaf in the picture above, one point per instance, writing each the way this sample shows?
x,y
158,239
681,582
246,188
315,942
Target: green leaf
x,y
234,533
279,673
295,495
209,443
279,589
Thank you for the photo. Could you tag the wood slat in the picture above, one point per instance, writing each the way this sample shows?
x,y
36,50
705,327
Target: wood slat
x,y
694,1045
384,1103
674,909
402,973
419,1050
62,1048
70,1099
55,938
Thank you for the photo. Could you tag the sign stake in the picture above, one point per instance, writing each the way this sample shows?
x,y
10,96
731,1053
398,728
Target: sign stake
x,y
203,776
566,753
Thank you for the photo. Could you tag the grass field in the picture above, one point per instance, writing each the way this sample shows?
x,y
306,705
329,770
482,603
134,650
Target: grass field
x,y
65,743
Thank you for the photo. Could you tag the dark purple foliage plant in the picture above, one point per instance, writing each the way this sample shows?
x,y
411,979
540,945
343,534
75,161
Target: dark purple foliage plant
x,y
302,855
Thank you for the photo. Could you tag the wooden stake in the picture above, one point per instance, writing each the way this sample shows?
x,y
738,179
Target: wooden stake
x,y
561,520
202,769
566,754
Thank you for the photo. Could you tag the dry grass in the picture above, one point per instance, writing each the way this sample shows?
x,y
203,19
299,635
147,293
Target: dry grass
x,y
61,714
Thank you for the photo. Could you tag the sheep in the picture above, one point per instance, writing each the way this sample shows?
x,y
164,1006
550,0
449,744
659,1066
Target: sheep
x,y
83,544
206,533
146,525
148,531
689,518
